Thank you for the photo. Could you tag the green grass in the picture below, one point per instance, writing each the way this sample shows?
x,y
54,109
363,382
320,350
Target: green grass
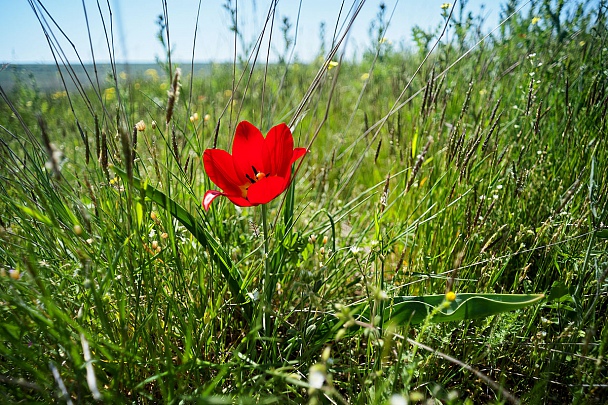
x,y
484,172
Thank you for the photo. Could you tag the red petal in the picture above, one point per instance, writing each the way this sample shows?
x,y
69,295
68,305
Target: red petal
x,y
278,151
240,201
298,153
266,190
213,194
209,197
219,166
247,150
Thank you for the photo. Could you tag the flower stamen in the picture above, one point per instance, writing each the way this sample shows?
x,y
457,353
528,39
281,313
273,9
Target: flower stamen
x,y
257,176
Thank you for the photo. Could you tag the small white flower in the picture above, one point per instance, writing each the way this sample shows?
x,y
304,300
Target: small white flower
x,y
316,379
397,399
255,295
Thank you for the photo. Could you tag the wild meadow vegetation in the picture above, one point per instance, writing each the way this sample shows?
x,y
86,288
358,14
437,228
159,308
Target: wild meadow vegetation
x,y
438,177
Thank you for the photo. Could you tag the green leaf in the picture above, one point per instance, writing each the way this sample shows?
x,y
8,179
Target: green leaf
x,y
139,209
414,144
558,291
35,214
415,310
200,233
411,310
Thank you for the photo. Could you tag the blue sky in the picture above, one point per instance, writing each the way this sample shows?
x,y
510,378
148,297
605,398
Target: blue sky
x,y
134,26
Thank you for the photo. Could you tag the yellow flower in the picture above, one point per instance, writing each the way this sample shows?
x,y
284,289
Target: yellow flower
x,y
109,94
59,94
152,73
365,76
332,64
445,6
535,20
450,296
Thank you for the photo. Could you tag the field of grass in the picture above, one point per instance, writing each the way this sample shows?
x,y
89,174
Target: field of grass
x,y
470,163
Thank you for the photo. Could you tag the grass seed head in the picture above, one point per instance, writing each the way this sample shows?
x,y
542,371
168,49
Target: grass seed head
x,y
173,95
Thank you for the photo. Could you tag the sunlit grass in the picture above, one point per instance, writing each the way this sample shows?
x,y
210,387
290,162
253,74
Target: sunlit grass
x,y
483,176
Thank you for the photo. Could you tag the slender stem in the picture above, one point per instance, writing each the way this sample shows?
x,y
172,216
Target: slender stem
x,y
267,288
265,228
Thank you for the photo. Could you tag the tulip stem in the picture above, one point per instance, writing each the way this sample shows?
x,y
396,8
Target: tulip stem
x,y
267,287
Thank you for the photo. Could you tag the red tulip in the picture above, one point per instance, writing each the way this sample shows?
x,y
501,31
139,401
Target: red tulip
x,y
258,170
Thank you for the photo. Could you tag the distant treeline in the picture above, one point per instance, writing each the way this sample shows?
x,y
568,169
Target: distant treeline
x,y
47,78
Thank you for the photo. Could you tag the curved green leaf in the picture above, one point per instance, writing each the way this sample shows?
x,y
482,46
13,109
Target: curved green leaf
x,y
200,233
411,310
415,310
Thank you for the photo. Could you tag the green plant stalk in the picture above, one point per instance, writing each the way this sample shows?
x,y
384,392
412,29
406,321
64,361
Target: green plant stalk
x,y
267,282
